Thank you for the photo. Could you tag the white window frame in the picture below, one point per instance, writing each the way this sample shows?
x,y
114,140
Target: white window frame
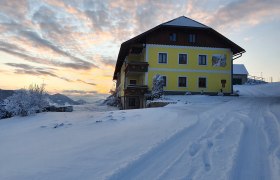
x,y
206,83
206,60
166,57
186,82
179,58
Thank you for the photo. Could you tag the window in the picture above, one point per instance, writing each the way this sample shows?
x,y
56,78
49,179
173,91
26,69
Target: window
x,y
191,38
172,37
202,82
131,102
164,80
182,81
202,60
183,58
162,58
132,82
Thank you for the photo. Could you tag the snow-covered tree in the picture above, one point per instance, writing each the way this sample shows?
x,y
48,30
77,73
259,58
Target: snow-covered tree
x,y
19,103
157,89
25,102
112,100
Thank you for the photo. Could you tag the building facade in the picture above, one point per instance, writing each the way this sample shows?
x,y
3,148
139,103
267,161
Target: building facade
x,y
190,56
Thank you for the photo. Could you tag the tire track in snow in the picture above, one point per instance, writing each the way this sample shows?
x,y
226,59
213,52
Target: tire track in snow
x,y
251,159
232,128
155,163
147,166
272,130
210,155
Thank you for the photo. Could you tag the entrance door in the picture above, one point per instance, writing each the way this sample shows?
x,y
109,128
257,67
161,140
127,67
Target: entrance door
x,y
133,102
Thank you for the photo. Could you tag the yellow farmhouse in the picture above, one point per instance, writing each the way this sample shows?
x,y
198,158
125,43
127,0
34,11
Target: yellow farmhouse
x,y
190,56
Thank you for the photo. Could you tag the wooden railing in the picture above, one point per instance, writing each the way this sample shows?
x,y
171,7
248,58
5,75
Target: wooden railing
x,y
136,67
135,90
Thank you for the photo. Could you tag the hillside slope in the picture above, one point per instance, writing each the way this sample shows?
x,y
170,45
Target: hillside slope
x,y
200,137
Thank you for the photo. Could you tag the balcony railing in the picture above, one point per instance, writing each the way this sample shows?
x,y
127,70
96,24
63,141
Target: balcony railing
x,y
135,90
136,67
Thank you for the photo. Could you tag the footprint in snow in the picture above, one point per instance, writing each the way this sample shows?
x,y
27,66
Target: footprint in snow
x,y
58,125
205,156
110,117
206,161
209,144
194,148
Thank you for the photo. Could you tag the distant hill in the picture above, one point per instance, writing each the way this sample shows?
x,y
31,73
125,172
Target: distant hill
x,y
5,93
81,101
59,99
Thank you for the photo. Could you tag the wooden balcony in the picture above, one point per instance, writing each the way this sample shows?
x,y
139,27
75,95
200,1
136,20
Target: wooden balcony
x,y
138,90
136,67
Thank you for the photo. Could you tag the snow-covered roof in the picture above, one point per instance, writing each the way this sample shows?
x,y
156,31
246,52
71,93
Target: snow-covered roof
x,y
184,21
239,69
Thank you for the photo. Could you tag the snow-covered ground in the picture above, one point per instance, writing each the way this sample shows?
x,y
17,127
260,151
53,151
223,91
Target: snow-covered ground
x,y
199,137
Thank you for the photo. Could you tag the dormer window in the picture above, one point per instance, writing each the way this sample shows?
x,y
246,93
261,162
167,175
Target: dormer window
x,y
191,38
172,36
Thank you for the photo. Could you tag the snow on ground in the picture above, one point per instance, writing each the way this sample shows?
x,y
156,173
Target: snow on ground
x,y
263,90
199,137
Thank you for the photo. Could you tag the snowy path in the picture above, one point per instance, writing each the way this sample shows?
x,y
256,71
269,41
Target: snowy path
x,y
230,141
252,162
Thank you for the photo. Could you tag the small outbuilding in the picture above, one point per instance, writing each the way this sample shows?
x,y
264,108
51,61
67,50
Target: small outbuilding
x,y
240,74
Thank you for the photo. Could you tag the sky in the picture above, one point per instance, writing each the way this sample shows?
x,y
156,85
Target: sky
x,y
71,46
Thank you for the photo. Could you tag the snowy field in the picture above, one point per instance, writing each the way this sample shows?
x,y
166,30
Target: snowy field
x,y
199,137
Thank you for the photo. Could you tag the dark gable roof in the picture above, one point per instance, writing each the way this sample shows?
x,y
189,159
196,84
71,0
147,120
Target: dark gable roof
x,y
180,22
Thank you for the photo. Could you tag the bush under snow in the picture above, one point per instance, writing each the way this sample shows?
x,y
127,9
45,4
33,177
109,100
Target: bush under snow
x,y
25,102
2,111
